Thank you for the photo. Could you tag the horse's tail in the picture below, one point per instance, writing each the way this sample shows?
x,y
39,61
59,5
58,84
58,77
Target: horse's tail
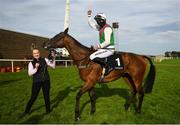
x,y
149,81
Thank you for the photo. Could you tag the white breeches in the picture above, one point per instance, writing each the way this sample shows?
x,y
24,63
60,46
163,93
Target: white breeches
x,y
101,53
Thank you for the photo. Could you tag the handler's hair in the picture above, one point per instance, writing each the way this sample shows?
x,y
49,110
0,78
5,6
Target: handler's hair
x,y
35,49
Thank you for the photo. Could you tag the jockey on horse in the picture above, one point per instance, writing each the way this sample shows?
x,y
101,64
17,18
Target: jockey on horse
x,y
106,47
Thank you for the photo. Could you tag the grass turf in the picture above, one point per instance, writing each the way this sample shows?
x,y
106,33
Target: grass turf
x,y
161,106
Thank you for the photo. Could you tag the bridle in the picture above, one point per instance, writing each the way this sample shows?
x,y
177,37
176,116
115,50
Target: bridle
x,y
79,61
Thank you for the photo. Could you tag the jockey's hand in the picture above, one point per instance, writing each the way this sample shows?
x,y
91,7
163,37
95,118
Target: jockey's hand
x,y
96,47
92,47
89,12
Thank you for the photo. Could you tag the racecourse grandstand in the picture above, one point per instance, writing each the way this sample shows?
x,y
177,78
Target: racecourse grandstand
x,y
15,45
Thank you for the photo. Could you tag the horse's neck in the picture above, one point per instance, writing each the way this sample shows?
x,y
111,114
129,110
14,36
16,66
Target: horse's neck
x,y
75,49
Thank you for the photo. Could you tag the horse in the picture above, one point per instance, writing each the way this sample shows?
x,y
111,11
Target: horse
x,y
133,73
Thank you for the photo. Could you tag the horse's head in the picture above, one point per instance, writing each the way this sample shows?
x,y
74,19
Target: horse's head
x,y
57,41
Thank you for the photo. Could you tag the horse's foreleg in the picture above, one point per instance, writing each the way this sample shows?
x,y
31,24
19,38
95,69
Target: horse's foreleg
x,y
84,89
93,100
77,112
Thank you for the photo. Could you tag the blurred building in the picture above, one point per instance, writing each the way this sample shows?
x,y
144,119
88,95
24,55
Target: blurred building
x,y
16,45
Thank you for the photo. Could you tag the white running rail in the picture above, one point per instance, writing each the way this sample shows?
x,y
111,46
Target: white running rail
x,y
21,60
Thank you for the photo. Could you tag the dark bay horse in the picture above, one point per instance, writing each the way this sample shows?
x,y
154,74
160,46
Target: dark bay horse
x,y
90,72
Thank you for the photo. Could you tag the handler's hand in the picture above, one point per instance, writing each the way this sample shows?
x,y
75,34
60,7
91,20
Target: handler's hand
x,y
53,54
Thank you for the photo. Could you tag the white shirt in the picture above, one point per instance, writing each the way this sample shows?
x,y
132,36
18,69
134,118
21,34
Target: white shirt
x,y
93,24
32,70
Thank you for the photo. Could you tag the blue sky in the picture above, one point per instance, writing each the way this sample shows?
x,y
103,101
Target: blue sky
x,y
146,26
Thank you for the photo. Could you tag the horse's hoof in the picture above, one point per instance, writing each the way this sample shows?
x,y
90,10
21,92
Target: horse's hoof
x,y
92,112
138,111
77,119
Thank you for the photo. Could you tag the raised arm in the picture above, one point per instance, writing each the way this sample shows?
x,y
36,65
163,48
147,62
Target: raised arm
x,y
91,22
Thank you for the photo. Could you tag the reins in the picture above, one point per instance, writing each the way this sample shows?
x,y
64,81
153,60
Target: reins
x,y
83,66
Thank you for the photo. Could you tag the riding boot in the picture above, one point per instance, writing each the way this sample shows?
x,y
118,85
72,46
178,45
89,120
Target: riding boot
x,y
106,70
106,67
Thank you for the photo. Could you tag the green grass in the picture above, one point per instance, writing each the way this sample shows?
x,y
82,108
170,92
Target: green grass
x,y
162,106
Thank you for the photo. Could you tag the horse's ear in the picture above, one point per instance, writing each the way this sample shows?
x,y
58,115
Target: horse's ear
x,y
66,30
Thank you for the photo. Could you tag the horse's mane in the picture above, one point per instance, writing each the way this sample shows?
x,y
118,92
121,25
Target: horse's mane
x,y
80,45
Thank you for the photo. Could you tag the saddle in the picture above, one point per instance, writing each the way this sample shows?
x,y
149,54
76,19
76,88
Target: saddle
x,y
110,63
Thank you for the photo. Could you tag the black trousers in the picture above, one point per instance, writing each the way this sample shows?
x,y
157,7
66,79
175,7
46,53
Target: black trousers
x,y
36,86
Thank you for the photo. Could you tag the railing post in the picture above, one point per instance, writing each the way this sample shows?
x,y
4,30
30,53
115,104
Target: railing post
x,y
66,63
12,65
